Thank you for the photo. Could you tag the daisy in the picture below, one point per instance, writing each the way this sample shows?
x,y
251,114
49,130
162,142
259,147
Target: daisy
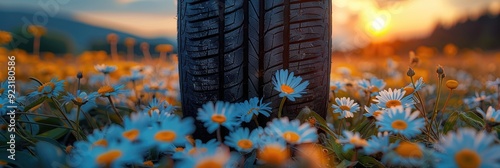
x,y
292,131
116,154
336,86
401,121
373,86
214,115
288,85
81,99
273,151
346,107
242,140
252,107
491,114
107,90
406,154
393,98
158,107
221,157
373,111
468,148
105,69
495,83
49,89
195,148
379,143
409,89
477,99
135,76
352,140
168,133
131,130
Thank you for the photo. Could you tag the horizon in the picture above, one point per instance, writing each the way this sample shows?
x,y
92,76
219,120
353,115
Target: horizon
x,y
355,23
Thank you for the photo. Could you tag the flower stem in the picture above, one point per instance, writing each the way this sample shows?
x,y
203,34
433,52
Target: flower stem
x,y
354,158
256,121
78,117
219,137
435,111
447,99
280,110
114,109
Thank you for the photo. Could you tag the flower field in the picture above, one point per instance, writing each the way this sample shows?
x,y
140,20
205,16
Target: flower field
x,y
96,110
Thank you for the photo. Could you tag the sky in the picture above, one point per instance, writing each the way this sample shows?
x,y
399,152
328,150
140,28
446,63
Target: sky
x,y
355,22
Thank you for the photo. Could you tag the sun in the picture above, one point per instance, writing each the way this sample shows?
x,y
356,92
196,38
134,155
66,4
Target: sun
x,y
378,24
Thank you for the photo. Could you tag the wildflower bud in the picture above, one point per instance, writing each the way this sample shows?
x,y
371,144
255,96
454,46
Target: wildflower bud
x,y
148,163
413,59
79,75
440,70
451,84
312,121
410,72
69,148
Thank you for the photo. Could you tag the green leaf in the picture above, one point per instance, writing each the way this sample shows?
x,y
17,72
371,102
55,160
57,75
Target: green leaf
x,y
307,113
344,164
55,133
368,161
450,122
471,120
34,105
249,161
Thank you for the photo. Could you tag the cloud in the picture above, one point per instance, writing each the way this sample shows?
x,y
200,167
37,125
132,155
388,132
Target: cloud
x,y
140,24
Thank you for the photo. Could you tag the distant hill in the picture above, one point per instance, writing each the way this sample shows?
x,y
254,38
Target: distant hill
x,y
481,33
68,35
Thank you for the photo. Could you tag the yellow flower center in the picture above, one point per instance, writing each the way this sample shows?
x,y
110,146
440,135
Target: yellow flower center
x,y
377,113
79,100
108,157
153,109
374,89
131,134
69,148
48,84
105,89
245,144
209,163
451,84
409,150
490,119
252,109
344,108
393,103
399,125
291,137
287,89
196,150
408,90
467,158
218,118
332,88
272,154
101,142
179,149
165,136
148,163
1,90
358,141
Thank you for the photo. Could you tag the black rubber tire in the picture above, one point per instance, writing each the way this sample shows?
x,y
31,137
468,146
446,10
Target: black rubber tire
x,y
230,50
